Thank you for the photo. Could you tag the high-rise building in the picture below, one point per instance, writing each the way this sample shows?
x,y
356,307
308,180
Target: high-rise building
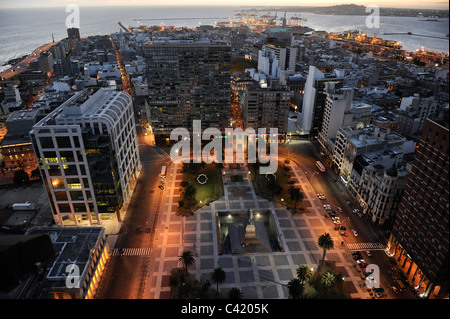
x,y
311,114
188,80
46,62
265,108
341,111
419,241
73,33
88,157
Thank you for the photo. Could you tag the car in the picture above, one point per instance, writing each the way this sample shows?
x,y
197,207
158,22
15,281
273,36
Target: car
x,y
356,253
378,289
356,211
339,210
342,227
357,257
368,253
360,261
354,233
321,196
337,221
161,187
342,233
121,252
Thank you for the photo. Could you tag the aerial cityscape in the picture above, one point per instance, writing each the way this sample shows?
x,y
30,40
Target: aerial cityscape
x,y
256,151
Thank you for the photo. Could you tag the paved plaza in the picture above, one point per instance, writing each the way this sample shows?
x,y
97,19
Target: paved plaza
x,y
258,275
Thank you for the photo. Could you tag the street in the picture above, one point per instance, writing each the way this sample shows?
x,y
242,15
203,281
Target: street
x,y
127,274
306,153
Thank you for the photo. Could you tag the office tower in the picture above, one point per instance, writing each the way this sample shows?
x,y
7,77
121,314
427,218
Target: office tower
x,y
311,115
188,80
420,236
88,158
265,108
73,33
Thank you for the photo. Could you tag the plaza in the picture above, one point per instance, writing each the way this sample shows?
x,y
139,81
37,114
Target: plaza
x,y
259,275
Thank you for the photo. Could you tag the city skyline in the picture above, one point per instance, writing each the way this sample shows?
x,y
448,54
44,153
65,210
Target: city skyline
x,y
441,5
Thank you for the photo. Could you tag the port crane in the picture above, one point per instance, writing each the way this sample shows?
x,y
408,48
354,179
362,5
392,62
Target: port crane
x,y
376,33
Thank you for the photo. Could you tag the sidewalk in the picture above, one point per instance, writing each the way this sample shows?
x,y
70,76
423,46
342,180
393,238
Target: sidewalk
x,y
258,275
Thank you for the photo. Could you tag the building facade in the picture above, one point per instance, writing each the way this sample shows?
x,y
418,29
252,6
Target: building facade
x,y
188,80
265,108
88,157
419,242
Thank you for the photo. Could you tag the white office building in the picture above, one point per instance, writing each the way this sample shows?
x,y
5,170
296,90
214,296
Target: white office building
x,y
88,157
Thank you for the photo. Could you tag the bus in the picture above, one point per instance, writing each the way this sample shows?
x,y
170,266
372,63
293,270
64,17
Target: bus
x,y
320,166
163,172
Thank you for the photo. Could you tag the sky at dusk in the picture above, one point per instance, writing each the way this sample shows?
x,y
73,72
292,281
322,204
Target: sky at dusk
x,y
381,3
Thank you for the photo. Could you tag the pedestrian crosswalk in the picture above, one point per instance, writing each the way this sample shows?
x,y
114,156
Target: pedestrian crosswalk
x,y
131,251
366,246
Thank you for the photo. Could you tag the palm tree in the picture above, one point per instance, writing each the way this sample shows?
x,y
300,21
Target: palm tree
x,y
326,243
304,273
295,288
186,258
328,279
218,276
295,194
234,293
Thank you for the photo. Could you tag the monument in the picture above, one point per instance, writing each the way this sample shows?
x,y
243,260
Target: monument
x,y
250,231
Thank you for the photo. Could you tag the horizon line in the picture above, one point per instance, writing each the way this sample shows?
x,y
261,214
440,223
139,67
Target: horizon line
x,y
444,8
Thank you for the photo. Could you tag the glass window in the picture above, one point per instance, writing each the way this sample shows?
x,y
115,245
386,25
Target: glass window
x,y
61,196
57,183
46,142
63,142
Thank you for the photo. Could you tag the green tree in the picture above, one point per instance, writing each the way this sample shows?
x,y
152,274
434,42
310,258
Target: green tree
x,y
304,273
218,276
186,258
296,288
21,177
328,280
326,243
235,293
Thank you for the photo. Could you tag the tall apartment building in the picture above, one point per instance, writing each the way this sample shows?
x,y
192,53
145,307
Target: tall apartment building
x,y
73,33
46,62
265,108
420,236
188,80
88,157
421,108
273,59
311,115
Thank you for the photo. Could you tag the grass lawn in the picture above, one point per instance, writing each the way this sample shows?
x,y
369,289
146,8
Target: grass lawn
x,y
262,187
205,193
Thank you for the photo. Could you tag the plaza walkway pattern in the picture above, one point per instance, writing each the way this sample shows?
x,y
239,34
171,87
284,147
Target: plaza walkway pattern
x,y
258,275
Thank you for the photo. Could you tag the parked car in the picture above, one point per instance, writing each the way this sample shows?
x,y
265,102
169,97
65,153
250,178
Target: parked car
x,y
354,233
342,233
342,227
321,196
368,253
161,187
356,211
360,261
339,210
